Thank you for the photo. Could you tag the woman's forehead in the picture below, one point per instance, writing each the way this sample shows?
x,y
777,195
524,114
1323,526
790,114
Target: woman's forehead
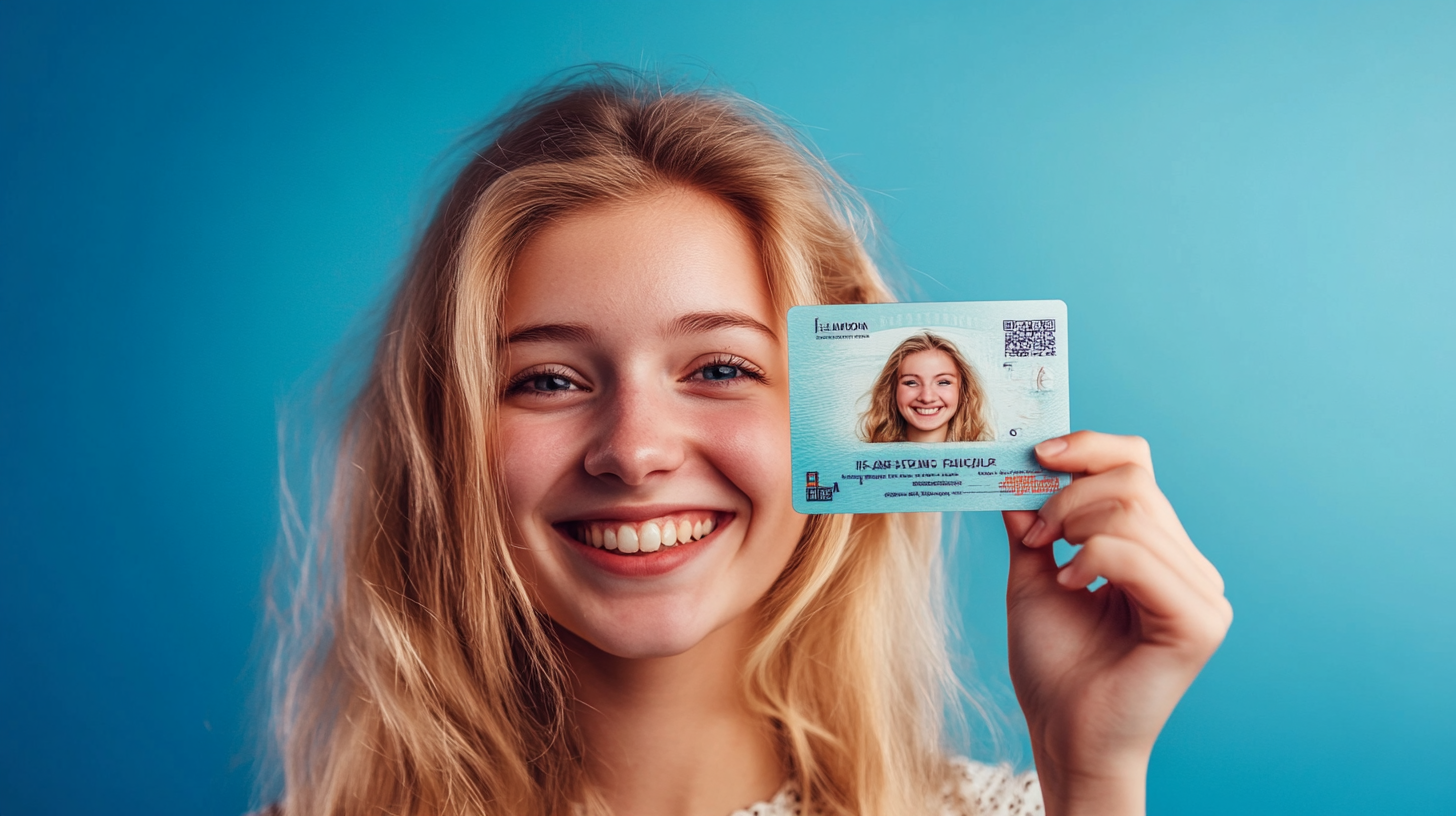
x,y
925,360
645,262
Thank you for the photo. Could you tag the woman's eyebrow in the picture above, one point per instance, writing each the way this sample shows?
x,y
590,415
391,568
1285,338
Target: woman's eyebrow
x,y
700,322
550,332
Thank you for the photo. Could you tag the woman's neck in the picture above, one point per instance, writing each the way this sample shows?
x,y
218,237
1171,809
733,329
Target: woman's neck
x,y
673,735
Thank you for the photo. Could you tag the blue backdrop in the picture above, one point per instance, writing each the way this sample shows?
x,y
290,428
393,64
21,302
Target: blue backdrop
x,y
1249,208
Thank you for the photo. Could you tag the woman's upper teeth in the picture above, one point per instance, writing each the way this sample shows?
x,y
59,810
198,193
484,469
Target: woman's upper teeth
x,y
644,536
928,411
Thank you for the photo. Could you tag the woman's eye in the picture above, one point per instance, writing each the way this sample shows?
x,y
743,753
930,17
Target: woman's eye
x,y
721,372
726,370
550,382
544,382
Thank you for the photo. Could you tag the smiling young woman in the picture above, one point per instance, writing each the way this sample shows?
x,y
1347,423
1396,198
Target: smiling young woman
x,y
926,392
563,573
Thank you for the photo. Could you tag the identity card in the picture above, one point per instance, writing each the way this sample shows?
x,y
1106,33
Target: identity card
x,y
924,407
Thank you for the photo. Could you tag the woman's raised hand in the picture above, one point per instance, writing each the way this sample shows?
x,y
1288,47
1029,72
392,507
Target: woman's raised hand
x,y
1098,673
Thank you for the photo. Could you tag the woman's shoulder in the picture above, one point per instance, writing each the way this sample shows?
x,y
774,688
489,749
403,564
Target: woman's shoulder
x,y
971,789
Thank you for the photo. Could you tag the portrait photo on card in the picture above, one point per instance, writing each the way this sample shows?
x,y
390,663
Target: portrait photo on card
x,y
927,390
926,406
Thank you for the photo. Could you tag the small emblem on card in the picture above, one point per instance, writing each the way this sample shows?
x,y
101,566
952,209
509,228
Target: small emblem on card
x,y
814,492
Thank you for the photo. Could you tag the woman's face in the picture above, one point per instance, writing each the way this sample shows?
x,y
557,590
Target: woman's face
x,y
645,429
927,393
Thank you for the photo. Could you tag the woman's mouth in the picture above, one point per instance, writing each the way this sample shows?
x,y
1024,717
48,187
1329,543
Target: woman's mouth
x,y
632,537
927,411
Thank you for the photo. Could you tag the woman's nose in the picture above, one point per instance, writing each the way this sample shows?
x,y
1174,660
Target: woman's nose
x,y
636,436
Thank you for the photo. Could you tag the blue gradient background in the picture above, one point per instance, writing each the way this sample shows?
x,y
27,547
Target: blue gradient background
x,y
1250,209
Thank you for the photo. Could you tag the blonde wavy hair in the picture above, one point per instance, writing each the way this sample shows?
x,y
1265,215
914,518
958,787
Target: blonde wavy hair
x,y
882,422
414,675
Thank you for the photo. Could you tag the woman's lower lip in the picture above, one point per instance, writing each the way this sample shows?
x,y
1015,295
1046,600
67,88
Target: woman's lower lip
x,y
644,565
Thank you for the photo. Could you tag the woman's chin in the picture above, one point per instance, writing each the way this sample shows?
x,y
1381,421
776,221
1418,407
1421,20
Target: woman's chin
x,y
928,432
647,648
638,631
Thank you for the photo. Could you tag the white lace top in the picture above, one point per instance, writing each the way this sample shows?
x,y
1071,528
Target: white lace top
x,y
974,790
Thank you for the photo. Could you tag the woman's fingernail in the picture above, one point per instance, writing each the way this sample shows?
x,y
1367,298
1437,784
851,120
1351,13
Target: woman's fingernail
x,y
1034,532
1066,578
1051,447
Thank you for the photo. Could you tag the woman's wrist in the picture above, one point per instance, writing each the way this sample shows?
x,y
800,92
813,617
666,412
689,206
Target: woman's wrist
x,y
1119,791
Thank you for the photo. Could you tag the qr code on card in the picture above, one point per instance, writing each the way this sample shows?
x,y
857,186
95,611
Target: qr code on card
x,y
1030,338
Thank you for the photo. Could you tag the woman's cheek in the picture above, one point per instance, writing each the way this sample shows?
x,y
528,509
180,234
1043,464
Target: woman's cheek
x,y
752,450
535,455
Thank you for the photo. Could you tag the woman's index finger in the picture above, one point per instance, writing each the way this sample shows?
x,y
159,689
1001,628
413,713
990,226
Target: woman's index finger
x,y
1091,453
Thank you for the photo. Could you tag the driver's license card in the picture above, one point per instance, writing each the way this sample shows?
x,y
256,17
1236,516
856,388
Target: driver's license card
x,y
923,407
